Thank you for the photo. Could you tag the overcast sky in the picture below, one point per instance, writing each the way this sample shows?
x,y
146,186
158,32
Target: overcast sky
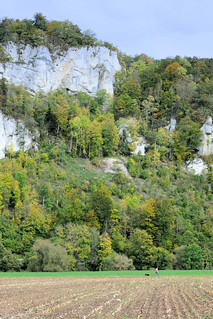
x,y
158,28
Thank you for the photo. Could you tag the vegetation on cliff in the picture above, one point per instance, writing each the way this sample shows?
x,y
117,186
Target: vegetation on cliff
x,y
40,31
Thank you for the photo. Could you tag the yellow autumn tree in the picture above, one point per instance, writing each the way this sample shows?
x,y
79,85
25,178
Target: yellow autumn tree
x,y
147,215
105,247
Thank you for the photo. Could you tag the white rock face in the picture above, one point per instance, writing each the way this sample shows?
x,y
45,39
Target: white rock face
x,y
171,125
141,145
197,166
206,147
138,143
13,134
86,69
112,165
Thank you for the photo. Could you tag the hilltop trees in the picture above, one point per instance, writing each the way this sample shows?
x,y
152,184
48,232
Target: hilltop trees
x,y
40,31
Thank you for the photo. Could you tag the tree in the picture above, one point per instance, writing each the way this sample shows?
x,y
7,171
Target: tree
x,y
105,248
110,135
72,206
192,257
163,220
48,257
118,241
187,138
147,217
162,258
35,221
8,261
40,21
61,111
78,240
102,204
140,248
95,139
5,30
175,70
125,106
79,128
117,262
150,107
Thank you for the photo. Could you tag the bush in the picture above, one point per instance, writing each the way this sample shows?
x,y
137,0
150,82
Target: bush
x,y
188,257
120,178
48,257
8,261
134,168
162,258
117,262
192,257
145,174
163,171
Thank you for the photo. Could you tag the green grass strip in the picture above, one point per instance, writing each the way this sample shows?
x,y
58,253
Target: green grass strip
x,y
123,273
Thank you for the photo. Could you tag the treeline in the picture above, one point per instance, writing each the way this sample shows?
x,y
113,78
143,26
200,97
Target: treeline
x,y
40,31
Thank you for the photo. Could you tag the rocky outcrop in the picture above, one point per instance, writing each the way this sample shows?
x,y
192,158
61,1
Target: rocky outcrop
x,y
13,134
197,166
78,69
113,165
206,147
140,146
137,144
171,125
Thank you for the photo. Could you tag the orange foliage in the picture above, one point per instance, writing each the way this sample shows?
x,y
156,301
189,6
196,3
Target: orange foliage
x,y
172,67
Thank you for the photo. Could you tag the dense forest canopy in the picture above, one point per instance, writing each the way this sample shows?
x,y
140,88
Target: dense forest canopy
x,y
60,211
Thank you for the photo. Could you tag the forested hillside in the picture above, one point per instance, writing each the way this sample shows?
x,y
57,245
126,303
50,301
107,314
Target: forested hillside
x,y
59,210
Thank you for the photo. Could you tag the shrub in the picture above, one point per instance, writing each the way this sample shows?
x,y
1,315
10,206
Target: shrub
x,y
192,257
120,178
188,257
8,261
162,258
145,174
48,257
134,168
117,262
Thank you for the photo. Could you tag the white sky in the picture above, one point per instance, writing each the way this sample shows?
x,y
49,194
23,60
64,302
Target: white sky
x,y
158,28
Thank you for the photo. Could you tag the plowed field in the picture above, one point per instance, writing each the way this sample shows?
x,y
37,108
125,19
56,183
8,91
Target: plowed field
x,y
106,297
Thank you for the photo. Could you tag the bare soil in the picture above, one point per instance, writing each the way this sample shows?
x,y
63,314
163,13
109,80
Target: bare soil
x,y
107,297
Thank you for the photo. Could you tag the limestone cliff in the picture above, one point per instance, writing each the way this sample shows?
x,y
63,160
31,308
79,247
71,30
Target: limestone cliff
x,y
206,147
78,69
13,134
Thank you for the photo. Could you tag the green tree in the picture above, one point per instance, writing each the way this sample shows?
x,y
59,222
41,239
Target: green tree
x,y
102,204
162,258
109,134
187,138
192,257
40,21
163,220
48,257
78,241
140,249
117,262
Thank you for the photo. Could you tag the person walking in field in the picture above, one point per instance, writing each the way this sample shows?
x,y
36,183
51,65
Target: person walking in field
x,y
156,272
